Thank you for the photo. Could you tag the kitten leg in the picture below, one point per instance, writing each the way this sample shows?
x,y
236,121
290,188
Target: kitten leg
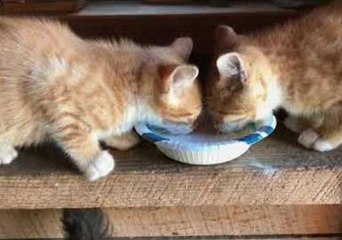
x,y
329,139
123,142
7,154
84,150
308,138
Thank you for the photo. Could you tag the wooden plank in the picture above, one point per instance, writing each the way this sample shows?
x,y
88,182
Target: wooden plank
x,y
30,224
139,8
276,171
227,221
204,222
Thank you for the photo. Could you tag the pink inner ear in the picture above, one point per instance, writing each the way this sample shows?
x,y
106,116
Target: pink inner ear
x,y
164,73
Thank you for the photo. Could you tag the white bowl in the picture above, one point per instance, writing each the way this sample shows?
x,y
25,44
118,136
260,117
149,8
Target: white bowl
x,y
205,146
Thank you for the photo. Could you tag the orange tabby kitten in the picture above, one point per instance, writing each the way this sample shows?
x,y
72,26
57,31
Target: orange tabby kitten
x,y
297,66
57,86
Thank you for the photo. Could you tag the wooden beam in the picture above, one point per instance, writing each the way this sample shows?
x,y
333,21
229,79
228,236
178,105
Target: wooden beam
x,y
30,224
217,221
227,221
276,171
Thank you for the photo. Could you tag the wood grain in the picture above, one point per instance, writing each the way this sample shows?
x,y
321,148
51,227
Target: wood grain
x,y
165,222
276,171
34,224
227,221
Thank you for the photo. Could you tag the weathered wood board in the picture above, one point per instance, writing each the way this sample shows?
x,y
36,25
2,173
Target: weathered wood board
x,y
249,221
276,171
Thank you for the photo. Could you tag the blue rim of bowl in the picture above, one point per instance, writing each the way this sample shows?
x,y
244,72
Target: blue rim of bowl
x,y
262,130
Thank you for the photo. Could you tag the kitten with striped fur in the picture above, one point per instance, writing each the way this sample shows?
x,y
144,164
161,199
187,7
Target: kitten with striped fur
x,y
296,66
78,93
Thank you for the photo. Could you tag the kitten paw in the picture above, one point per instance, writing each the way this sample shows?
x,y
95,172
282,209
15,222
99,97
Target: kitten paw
x,y
322,145
292,124
124,142
7,155
308,138
100,166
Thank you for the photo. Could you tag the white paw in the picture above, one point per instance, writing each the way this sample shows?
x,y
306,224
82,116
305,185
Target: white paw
x,y
308,138
100,167
291,123
7,155
323,145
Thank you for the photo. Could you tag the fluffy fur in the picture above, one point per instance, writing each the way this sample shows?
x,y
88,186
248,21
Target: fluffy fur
x,y
56,86
296,66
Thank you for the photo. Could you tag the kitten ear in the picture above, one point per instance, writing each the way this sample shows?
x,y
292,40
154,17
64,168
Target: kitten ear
x,y
183,76
223,32
232,69
183,46
225,37
177,78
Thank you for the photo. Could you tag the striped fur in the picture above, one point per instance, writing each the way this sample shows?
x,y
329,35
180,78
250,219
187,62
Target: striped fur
x,y
296,66
56,86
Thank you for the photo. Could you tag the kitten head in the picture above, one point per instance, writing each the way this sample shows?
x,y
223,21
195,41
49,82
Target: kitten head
x,y
237,88
176,101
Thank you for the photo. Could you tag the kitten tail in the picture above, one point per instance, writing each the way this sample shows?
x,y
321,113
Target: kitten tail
x,y
85,224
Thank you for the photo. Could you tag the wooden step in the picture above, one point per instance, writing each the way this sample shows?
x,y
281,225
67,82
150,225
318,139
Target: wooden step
x,y
252,222
276,171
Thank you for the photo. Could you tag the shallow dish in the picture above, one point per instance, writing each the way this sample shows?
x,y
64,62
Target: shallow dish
x,y
205,146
